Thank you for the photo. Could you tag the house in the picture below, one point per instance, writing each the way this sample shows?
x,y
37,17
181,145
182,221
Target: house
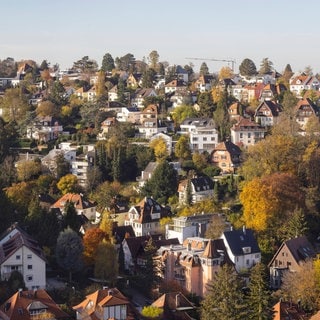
x,y
32,304
105,127
134,250
145,217
113,93
166,138
287,310
226,156
193,263
303,82
174,86
247,132
86,95
149,123
20,252
180,97
272,91
236,111
44,129
146,174
182,74
202,132
201,188
251,92
306,109
134,80
175,306
267,113
191,226
242,248
81,204
140,95
104,304
204,82
129,114
288,258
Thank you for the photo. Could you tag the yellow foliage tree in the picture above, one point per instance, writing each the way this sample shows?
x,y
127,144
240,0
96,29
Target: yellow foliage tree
x,y
269,200
68,183
160,148
225,73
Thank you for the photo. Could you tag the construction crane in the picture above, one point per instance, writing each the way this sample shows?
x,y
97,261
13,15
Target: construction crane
x,y
233,62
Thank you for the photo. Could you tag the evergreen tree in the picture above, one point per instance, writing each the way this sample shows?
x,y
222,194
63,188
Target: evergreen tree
x,y
224,299
258,298
188,192
204,70
163,183
247,68
265,66
69,250
71,219
107,63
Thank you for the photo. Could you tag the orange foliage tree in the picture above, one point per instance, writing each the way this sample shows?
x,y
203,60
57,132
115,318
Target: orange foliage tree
x,y
268,201
92,238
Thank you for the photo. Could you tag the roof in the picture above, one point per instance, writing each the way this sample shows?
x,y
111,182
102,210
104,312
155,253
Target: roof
x,y
300,248
18,307
214,248
288,310
271,105
80,203
198,122
104,298
228,146
239,239
18,240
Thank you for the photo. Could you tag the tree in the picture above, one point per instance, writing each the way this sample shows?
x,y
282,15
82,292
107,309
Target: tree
x,y
91,240
224,299
289,102
27,169
287,73
16,282
106,266
302,286
85,65
69,250
126,63
265,66
68,184
268,200
106,225
182,148
181,113
163,183
200,160
247,68
62,167
216,227
148,78
259,298
153,59
70,217
107,63
205,104
221,116
204,70
151,312
101,88
159,147
294,227
226,73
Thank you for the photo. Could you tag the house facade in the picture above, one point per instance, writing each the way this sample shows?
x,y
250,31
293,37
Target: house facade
x,y
267,113
226,156
145,217
20,252
305,110
288,258
242,248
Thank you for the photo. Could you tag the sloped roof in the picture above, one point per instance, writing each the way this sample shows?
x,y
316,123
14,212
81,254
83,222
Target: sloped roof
x,y
80,203
17,307
238,239
271,105
288,310
229,147
18,240
213,248
104,298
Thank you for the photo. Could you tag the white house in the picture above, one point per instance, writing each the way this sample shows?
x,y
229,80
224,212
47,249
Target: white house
x,y
20,252
242,248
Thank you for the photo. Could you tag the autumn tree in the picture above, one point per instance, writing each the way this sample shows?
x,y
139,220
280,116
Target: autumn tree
x,y
224,299
302,286
69,250
159,147
153,59
101,88
106,266
247,68
68,183
268,200
91,240
216,227
182,148
180,113
225,73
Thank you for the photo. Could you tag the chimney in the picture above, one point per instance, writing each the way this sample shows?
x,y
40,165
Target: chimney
x,y
244,229
35,293
189,246
110,292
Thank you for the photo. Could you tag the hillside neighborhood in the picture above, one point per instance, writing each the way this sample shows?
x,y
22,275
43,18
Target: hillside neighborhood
x,y
144,190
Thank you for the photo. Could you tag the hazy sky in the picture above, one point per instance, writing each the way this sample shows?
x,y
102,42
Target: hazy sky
x,y
63,31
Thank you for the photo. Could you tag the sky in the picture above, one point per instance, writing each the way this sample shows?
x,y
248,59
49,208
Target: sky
x,y
64,31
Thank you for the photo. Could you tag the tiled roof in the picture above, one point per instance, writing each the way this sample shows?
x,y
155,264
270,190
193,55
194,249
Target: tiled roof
x,y
18,306
228,146
78,200
288,310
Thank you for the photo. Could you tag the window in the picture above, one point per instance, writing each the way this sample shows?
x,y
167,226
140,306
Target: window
x,y
29,278
18,257
29,256
29,266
